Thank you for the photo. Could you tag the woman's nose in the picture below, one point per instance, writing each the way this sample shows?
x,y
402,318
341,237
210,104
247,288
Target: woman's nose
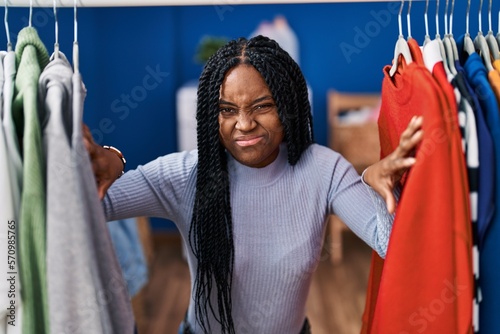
x,y
245,122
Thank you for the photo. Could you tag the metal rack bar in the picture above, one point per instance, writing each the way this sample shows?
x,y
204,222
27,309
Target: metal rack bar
x,y
146,3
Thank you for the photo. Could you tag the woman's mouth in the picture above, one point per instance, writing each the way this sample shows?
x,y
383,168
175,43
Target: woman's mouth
x,y
248,141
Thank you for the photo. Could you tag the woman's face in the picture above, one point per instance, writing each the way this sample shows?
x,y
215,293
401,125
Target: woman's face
x,y
249,125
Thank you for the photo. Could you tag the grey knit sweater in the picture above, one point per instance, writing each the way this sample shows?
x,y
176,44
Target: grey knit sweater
x,y
279,218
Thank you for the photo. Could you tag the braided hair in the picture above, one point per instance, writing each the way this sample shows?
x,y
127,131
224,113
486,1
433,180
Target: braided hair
x,y
211,230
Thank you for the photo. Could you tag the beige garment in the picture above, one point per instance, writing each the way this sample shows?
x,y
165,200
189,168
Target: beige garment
x,y
496,65
494,79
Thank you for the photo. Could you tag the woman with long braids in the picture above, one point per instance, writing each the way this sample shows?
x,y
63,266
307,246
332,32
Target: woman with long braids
x,y
253,200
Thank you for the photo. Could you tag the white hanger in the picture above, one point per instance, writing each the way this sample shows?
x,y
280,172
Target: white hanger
x,y
468,43
408,21
448,47
438,36
7,30
427,38
56,43
490,39
402,48
441,44
76,52
481,44
452,39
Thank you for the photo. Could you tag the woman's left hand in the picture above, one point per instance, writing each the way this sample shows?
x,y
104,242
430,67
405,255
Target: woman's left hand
x,y
384,175
106,165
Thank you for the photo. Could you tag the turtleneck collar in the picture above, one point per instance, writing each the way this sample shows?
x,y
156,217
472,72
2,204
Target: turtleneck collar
x,y
256,177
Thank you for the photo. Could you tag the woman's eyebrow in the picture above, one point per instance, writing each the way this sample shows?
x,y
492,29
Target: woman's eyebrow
x,y
227,102
260,99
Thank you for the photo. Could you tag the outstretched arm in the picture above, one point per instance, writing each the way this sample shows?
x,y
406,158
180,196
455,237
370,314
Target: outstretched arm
x,y
385,175
107,165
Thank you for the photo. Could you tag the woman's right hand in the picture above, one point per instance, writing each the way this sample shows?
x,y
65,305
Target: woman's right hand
x,y
107,166
384,175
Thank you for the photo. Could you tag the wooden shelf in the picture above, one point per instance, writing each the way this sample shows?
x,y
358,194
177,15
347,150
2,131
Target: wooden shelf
x,y
358,143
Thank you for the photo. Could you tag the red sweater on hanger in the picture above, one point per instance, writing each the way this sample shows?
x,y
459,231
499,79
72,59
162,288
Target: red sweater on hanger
x,y
426,281
462,224
388,144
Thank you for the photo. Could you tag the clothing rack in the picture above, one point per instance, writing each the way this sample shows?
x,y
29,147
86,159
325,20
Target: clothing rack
x,y
145,3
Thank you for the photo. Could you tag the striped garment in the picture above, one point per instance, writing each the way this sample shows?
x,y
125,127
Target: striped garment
x,y
489,262
468,109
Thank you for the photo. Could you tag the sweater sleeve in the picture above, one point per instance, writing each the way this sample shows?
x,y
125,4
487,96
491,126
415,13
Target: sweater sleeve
x,y
384,218
360,207
159,188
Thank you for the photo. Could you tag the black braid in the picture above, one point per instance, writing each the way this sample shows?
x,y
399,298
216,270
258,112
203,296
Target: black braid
x,y
211,231
288,86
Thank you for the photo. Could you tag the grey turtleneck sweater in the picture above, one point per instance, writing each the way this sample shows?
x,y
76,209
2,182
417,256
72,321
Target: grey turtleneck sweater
x,y
279,217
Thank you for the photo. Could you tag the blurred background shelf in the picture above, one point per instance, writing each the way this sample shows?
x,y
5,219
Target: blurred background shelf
x,y
353,132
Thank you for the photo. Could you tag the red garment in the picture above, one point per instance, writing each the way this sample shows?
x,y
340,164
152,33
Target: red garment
x,y
425,283
390,141
376,268
462,224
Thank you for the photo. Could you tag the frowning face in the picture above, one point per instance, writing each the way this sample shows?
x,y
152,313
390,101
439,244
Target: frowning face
x,y
249,125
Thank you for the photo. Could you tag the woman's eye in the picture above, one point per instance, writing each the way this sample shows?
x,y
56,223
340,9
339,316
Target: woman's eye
x,y
226,110
264,106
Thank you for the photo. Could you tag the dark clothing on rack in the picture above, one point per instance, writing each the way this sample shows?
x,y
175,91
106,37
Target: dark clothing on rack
x,y
486,171
489,273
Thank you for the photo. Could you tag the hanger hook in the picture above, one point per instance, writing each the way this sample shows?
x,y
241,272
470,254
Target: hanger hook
x,y
408,21
467,19
437,18
76,23
31,12
425,18
56,44
76,52
451,16
490,29
446,17
399,18
479,17
6,22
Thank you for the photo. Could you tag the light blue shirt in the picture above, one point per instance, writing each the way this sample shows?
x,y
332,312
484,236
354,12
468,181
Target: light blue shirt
x,y
279,219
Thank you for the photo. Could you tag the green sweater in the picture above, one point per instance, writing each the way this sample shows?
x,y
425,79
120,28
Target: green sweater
x,y
31,58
